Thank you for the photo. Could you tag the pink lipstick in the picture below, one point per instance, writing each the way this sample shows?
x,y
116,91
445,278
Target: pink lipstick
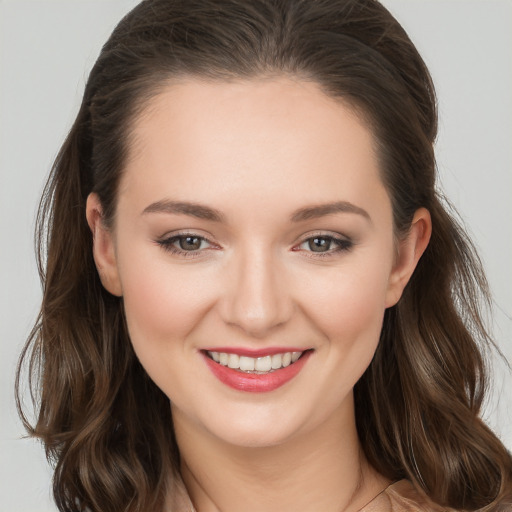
x,y
256,382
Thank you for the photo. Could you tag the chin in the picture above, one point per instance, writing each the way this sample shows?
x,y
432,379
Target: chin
x,y
247,426
255,436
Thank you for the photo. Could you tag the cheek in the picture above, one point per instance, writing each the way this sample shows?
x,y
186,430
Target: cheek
x,y
348,306
163,303
348,303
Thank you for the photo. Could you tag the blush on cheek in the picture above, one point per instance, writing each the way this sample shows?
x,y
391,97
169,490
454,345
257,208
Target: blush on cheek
x,y
164,300
354,300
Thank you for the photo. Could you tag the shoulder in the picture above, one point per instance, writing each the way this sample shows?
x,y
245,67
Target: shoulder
x,y
402,497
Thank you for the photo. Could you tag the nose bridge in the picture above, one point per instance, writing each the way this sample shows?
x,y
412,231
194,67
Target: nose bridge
x,y
257,300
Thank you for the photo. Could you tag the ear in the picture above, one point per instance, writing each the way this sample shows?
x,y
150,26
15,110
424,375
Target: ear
x,y
103,247
409,252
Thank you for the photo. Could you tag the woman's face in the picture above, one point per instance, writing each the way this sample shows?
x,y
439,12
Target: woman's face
x,y
252,228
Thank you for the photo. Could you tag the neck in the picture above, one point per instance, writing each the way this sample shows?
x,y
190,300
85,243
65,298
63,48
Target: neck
x,y
322,469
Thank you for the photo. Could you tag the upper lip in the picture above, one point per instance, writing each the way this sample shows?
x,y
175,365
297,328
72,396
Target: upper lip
x,y
261,352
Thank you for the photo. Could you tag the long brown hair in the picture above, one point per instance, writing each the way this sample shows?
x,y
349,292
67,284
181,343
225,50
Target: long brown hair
x,y
105,424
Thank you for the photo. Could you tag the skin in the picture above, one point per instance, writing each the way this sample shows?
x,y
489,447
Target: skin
x,y
257,151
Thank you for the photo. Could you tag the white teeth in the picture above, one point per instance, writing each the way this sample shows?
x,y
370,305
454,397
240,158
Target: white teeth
x,y
247,363
263,364
233,361
255,364
277,361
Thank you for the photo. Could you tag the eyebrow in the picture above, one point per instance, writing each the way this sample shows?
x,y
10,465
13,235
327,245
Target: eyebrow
x,y
185,208
321,210
204,212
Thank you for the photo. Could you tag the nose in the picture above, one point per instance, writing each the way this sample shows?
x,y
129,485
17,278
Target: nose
x,y
256,298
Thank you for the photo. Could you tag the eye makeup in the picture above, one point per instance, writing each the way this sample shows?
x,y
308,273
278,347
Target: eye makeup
x,y
318,245
186,245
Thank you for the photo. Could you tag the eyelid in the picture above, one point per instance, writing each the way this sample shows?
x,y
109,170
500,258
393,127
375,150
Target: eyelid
x,y
344,243
323,234
167,241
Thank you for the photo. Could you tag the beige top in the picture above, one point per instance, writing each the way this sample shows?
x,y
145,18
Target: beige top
x,y
398,497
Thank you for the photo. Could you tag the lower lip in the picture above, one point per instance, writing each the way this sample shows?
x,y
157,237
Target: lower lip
x,y
253,382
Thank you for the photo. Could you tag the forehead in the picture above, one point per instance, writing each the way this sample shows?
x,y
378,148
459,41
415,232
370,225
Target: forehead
x,y
265,137
300,107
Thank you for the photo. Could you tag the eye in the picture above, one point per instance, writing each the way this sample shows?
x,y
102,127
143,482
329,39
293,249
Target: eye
x,y
319,244
186,244
325,245
190,243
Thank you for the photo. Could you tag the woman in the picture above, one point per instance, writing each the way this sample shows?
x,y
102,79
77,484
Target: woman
x,y
254,299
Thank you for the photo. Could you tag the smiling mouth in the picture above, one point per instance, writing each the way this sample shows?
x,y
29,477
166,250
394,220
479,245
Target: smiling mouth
x,y
255,365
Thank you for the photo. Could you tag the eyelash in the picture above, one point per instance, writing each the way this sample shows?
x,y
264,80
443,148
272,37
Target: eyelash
x,y
343,245
168,245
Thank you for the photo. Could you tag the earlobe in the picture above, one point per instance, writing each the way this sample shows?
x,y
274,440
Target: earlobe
x,y
410,251
103,247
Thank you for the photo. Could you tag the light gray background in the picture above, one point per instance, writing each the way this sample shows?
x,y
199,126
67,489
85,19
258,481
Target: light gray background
x,y
46,50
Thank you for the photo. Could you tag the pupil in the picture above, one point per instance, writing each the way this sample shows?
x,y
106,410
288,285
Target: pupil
x,y
319,244
190,243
